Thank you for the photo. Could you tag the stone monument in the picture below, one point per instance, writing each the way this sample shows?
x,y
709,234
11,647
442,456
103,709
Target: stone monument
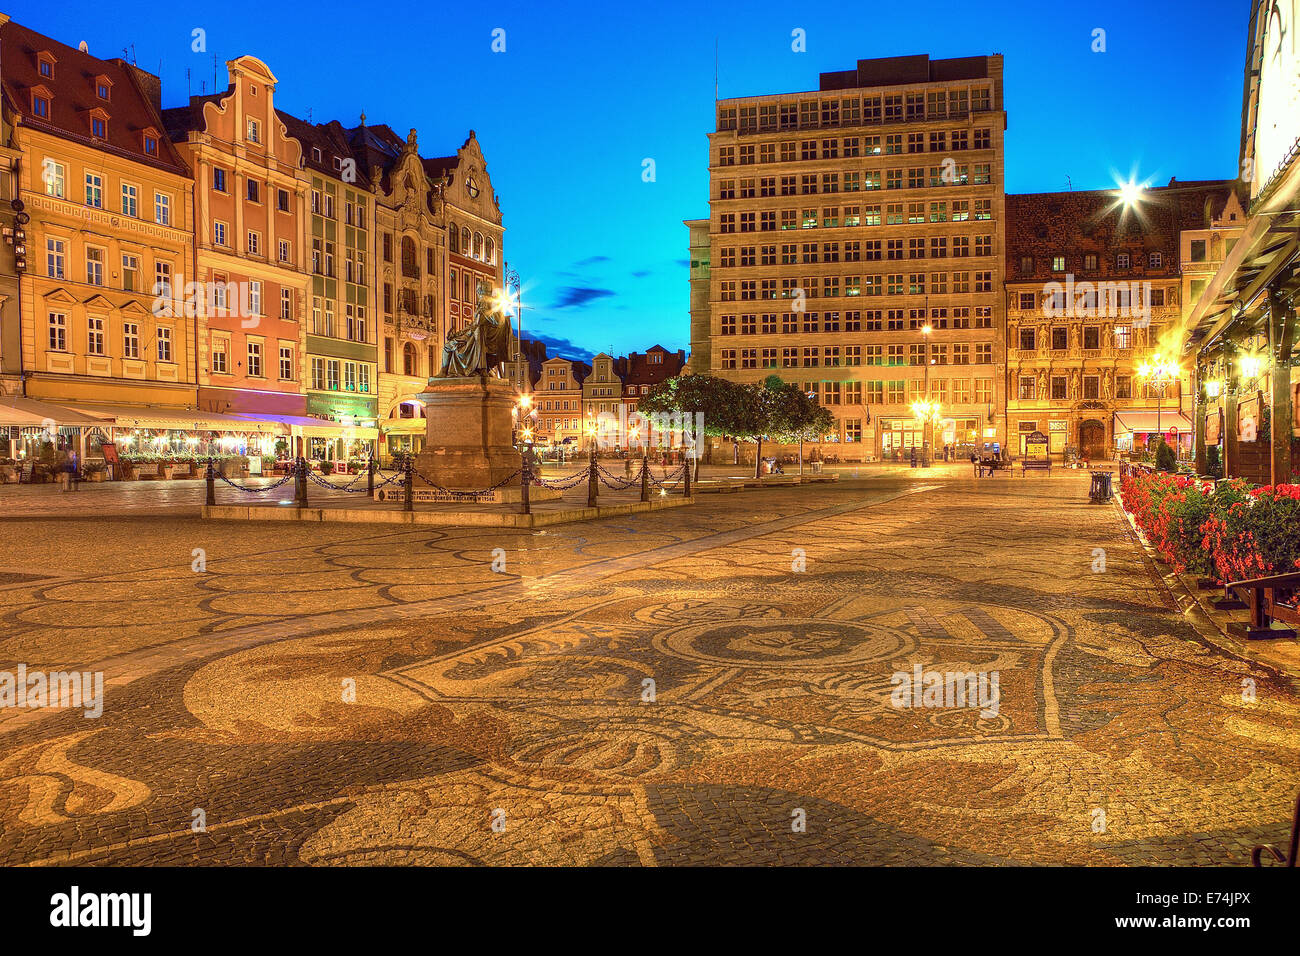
x,y
468,407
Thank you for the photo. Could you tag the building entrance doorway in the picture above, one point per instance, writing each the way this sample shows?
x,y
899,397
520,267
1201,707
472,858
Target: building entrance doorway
x,y
1092,440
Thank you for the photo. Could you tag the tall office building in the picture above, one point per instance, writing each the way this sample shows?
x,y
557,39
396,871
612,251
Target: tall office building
x,y
855,246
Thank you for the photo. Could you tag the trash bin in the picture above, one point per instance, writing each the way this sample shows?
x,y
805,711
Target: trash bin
x,y
1100,491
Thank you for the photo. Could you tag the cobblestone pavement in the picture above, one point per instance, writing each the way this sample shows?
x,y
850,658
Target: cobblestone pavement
x,y
702,685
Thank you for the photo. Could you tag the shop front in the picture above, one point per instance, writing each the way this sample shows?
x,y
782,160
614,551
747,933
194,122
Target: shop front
x,y
1138,431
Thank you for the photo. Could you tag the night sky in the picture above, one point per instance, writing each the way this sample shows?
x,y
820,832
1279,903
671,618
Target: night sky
x,y
584,93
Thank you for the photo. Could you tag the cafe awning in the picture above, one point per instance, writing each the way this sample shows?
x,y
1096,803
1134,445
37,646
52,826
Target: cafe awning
x,y
187,419
1145,422
28,411
307,427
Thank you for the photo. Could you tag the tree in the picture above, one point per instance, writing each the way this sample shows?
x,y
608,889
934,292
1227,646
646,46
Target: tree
x,y
706,399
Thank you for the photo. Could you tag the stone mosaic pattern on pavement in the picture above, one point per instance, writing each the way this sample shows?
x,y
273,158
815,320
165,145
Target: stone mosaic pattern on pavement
x,y
502,718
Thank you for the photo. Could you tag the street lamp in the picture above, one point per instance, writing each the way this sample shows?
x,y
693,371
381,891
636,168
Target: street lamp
x,y
927,412
1158,373
926,329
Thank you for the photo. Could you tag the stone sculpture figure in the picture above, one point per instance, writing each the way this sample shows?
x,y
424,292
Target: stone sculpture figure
x,y
482,346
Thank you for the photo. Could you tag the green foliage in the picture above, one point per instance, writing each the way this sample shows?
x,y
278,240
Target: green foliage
x,y
771,409
1166,460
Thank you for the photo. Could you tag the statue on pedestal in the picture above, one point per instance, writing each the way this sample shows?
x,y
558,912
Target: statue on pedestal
x,y
481,347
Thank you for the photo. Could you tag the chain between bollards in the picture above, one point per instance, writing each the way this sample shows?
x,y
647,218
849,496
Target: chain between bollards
x,y
592,480
409,503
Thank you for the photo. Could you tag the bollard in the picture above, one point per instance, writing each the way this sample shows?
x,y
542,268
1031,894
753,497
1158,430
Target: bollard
x,y
686,479
300,468
591,478
409,503
370,477
212,485
645,477
525,479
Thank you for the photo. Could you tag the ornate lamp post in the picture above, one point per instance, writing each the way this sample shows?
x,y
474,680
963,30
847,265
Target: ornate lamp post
x,y
1157,374
927,412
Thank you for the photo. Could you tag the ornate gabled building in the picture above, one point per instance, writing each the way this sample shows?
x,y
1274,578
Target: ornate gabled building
x,y
1094,291
250,228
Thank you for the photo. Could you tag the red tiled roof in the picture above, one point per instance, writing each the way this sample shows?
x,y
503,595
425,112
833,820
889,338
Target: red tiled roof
x,y
73,97
637,370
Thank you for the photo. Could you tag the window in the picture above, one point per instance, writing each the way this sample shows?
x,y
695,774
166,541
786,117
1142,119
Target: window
x,y
218,233
255,297
130,340
286,363
54,174
282,200
55,258
95,335
286,250
253,191
255,359
130,272
218,179
94,266
162,209
220,363
254,134
286,304
151,145
58,331
317,373
130,201
41,106
164,344
94,191
254,245
99,127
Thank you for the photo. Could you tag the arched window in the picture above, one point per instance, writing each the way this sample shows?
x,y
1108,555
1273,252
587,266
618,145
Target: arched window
x,y
478,245
454,237
409,360
491,255
410,262
464,240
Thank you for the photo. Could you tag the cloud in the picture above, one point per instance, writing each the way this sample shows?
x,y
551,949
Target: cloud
x,y
558,346
572,296
684,262
591,261
640,273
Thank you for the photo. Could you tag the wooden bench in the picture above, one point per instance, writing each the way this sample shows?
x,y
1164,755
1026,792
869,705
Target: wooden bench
x,y
986,467
1274,604
1038,464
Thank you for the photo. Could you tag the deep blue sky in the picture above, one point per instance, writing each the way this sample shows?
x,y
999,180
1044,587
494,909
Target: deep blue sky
x,y
585,92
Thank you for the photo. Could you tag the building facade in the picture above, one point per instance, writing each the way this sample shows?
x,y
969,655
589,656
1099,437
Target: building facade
x,y
558,399
250,225
1095,290
342,350
856,241
109,239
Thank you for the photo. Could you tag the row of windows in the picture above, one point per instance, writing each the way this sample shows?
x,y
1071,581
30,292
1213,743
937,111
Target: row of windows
x,y
870,250
56,267
895,283
1059,387
220,361
858,180
252,242
1093,299
872,320
472,246
55,174
833,217
324,320
854,110
325,375
851,356
852,147
1090,261
252,189
1094,337
96,342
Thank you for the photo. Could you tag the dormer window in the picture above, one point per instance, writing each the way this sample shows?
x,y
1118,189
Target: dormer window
x,y
99,124
41,102
103,87
150,141
315,154
45,65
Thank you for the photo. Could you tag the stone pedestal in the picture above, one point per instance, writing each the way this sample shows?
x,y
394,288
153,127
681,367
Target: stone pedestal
x,y
468,429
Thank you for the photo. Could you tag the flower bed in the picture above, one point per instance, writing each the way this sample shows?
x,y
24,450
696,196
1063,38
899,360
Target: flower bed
x,y
1226,530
